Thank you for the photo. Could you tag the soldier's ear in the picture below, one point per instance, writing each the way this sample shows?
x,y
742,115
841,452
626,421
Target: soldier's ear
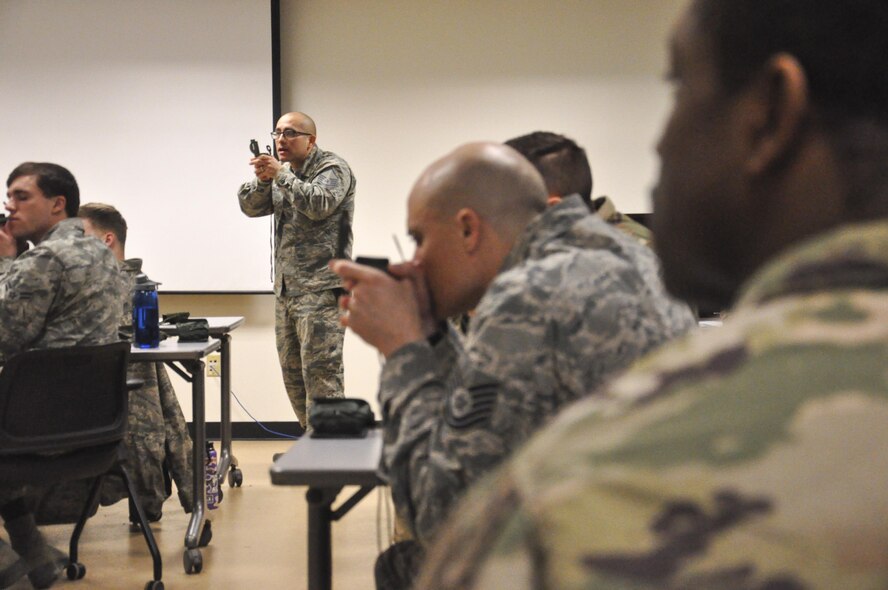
x,y
470,229
58,205
778,101
553,200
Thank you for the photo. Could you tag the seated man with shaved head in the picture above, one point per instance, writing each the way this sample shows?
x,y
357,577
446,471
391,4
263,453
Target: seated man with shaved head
x,y
562,302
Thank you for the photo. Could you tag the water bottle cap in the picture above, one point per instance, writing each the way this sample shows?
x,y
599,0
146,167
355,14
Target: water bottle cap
x,y
143,283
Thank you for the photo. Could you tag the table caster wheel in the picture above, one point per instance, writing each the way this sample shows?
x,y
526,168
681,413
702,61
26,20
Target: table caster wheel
x,y
75,571
193,561
235,478
154,585
206,534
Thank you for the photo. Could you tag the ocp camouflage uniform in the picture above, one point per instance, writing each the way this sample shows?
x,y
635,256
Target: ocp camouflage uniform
x,y
749,457
313,209
575,301
157,434
607,211
63,292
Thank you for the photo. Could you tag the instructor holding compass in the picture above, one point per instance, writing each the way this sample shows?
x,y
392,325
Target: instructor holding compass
x,y
311,193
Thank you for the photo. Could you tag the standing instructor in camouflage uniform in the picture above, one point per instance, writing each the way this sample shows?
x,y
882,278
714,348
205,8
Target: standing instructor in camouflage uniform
x,y
311,193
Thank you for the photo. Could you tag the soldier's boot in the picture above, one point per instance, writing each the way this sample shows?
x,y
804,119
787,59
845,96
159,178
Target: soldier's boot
x,y
27,541
12,566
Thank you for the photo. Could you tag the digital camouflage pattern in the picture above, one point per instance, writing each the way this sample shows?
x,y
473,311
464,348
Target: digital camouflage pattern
x,y
576,301
754,456
313,209
309,340
62,292
157,435
607,211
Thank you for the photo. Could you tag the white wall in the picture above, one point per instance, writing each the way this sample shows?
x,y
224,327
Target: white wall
x,y
151,113
396,84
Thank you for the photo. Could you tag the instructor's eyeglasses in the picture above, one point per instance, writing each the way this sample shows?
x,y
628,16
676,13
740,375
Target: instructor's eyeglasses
x,y
288,133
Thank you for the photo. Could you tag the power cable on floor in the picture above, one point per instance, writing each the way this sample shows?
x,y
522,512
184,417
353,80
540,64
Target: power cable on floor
x,y
261,425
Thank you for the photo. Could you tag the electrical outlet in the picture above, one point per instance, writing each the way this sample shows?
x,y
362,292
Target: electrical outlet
x,y
214,365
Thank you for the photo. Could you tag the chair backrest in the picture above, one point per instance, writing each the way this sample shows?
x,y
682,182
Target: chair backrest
x,y
61,399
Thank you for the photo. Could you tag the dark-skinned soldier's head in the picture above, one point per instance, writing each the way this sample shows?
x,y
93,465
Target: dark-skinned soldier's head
x,y
778,132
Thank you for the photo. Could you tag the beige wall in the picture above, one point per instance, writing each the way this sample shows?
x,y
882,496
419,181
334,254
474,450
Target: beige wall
x,y
395,84
256,376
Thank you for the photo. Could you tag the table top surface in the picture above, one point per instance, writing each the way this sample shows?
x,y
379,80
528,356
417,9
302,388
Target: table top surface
x,y
173,350
330,462
219,325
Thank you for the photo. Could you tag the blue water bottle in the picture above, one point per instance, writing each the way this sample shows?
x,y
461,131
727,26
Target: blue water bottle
x,y
146,316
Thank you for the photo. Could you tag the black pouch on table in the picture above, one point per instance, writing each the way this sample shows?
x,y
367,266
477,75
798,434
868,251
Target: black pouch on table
x,y
340,417
176,317
193,330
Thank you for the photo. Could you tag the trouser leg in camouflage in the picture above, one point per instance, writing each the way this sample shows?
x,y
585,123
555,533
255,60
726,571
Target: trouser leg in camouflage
x,y
177,443
309,342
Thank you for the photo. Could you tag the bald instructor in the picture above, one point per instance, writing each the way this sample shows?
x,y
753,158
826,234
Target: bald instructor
x,y
562,301
311,193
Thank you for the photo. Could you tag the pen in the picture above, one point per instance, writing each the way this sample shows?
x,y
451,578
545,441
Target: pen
x,y
398,248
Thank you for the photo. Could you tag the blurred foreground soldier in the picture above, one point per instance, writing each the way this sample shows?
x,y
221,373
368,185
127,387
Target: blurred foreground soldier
x,y
754,456
566,171
311,193
62,292
562,301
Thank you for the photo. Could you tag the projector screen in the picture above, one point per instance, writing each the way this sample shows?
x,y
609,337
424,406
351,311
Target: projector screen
x,y
152,106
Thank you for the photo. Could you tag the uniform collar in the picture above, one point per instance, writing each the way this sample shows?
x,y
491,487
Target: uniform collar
x,y
70,226
555,221
855,256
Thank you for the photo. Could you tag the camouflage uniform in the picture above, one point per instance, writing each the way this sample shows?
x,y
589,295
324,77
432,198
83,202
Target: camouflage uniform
x,y
58,293
63,292
575,301
157,434
313,209
607,211
749,457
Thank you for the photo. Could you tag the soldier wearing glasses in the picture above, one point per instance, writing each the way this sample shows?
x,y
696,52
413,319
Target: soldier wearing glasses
x,y
311,193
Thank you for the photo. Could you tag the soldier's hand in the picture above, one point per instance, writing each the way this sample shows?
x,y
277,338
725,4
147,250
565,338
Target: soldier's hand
x,y
265,167
382,310
413,272
8,244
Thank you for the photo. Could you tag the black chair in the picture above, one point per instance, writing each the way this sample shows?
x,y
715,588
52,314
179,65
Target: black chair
x,y
63,416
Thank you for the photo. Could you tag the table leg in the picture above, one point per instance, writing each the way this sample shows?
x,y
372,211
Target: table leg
x,y
193,561
226,458
320,550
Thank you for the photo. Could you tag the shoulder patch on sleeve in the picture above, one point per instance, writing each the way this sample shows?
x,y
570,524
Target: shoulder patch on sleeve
x,y
468,407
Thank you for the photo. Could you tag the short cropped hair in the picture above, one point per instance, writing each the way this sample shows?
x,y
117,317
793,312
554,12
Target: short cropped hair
x,y
561,162
841,46
53,180
106,218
